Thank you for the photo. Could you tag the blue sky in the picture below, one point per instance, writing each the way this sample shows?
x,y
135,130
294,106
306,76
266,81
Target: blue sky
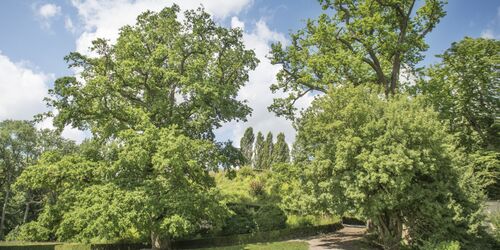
x,y
36,35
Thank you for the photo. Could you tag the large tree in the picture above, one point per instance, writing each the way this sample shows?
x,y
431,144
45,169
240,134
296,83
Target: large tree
x,y
17,151
361,42
391,161
246,145
464,88
152,101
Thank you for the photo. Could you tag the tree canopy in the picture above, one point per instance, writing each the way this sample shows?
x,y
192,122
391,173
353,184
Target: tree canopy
x,y
361,42
391,161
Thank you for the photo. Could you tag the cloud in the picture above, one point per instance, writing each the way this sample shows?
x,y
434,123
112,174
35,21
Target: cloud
x,y
257,92
21,90
46,13
21,95
236,23
492,31
104,18
68,24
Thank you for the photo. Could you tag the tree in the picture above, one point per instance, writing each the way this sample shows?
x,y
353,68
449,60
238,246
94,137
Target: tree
x,y
267,151
281,152
17,151
21,144
464,89
152,101
160,71
259,151
362,42
391,161
246,144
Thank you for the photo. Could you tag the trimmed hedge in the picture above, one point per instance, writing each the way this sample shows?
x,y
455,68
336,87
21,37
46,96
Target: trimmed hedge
x,y
239,239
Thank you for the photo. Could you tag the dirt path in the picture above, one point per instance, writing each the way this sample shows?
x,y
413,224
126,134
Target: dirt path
x,y
348,238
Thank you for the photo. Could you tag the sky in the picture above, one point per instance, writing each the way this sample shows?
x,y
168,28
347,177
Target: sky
x,y
36,35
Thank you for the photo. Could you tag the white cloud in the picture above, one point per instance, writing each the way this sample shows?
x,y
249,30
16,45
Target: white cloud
x,y
492,31
257,90
46,13
237,23
104,18
21,90
21,95
68,24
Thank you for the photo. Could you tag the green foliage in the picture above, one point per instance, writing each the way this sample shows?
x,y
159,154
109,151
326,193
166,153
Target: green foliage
x,y
445,245
267,152
388,160
270,217
31,231
281,152
160,71
259,160
464,89
246,145
240,222
152,101
361,42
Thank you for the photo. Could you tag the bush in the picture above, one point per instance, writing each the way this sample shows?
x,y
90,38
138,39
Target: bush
x,y
446,245
31,231
257,188
297,221
241,222
270,217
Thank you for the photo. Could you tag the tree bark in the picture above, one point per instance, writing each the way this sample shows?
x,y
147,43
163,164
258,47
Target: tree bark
x,y
390,230
159,242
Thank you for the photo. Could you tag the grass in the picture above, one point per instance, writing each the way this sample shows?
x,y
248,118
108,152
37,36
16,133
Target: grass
x,y
284,245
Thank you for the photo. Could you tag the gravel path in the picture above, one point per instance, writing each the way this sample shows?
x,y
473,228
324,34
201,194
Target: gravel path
x,y
348,238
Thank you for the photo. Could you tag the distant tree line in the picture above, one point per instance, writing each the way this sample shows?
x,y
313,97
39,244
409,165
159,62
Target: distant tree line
x,y
262,153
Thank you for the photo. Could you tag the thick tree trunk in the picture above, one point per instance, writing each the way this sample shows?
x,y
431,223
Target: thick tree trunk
x,y
390,230
4,211
159,242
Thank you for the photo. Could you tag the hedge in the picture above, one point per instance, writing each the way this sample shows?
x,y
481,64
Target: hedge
x,y
276,235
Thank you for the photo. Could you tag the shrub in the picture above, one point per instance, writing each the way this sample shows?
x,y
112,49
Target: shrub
x,y
257,188
270,217
445,245
297,221
240,222
31,231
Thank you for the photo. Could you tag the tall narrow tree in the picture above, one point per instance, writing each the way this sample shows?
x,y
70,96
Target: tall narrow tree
x,y
246,145
259,150
267,151
281,152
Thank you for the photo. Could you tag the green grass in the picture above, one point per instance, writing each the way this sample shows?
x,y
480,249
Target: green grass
x,y
284,245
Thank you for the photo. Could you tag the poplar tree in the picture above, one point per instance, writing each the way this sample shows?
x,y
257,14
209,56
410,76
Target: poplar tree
x,y
258,152
267,151
246,145
281,152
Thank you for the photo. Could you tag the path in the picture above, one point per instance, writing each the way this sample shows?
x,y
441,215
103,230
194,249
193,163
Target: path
x,y
348,238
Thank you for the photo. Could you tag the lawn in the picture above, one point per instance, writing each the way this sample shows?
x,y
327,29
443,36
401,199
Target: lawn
x,y
284,245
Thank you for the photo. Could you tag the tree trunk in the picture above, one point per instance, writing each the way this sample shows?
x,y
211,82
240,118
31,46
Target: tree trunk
x,y
159,242
4,210
390,230
26,212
